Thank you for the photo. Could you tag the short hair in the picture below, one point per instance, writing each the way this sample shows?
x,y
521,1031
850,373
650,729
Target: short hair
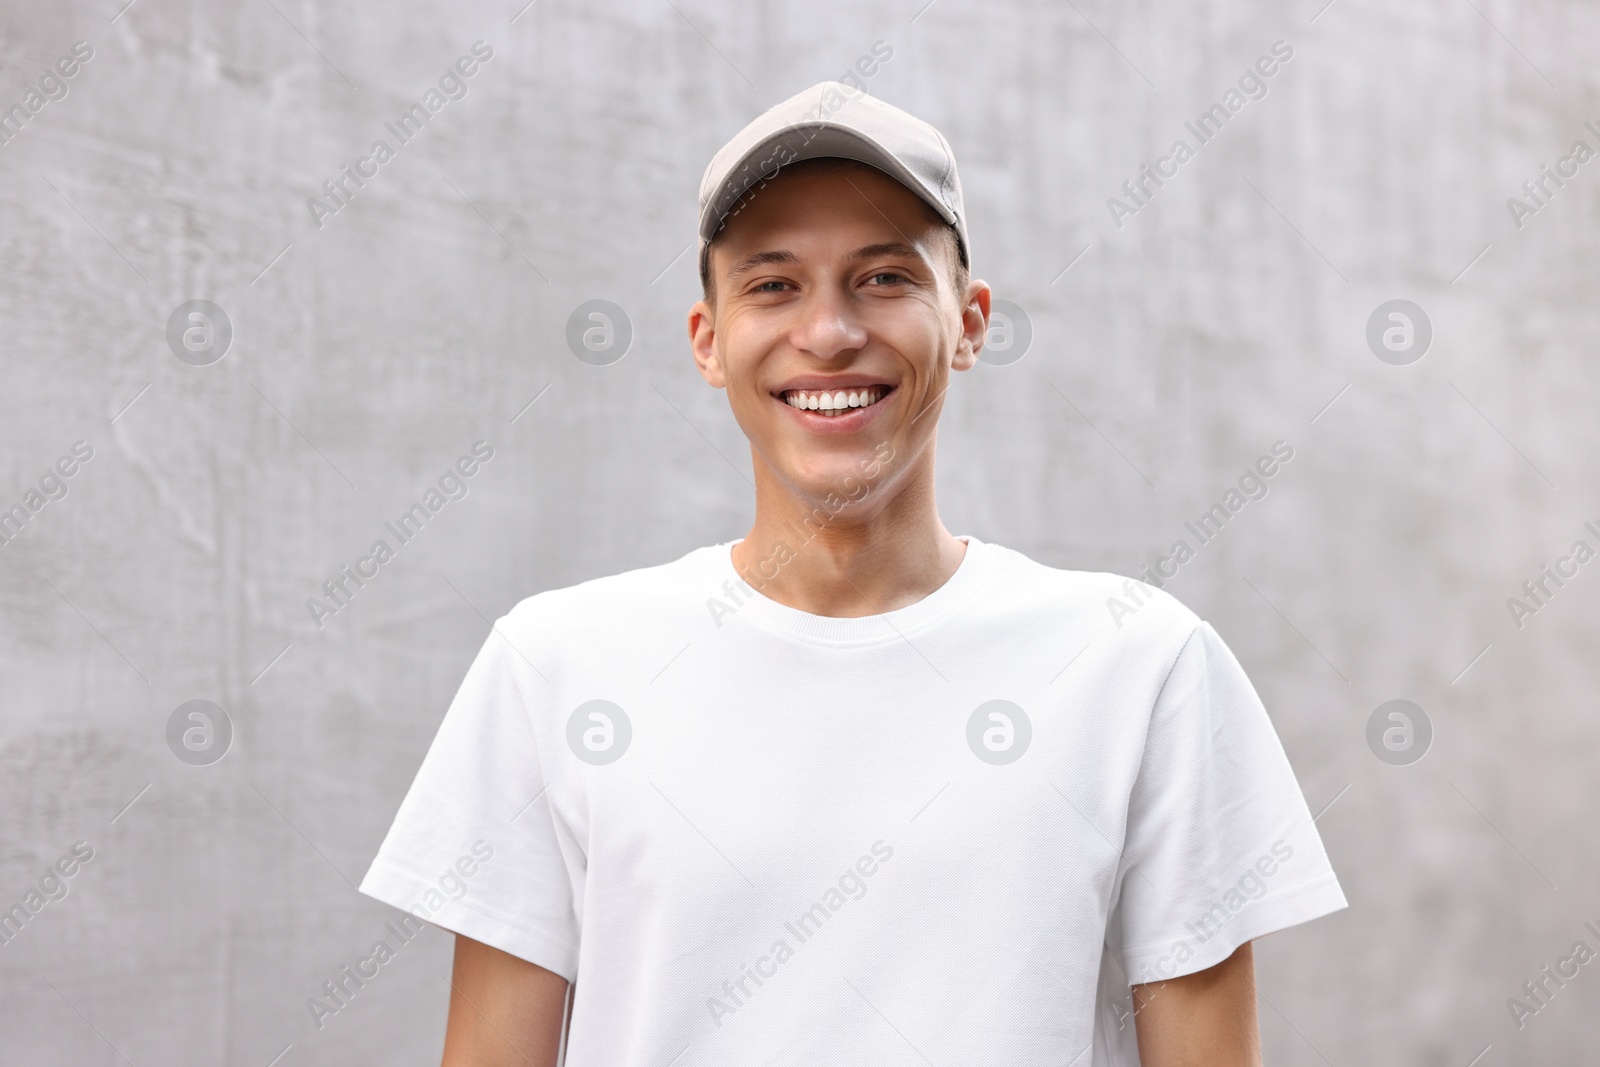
x,y
960,273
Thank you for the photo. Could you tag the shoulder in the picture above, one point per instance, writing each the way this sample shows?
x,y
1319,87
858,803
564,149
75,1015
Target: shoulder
x,y
1116,605
613,603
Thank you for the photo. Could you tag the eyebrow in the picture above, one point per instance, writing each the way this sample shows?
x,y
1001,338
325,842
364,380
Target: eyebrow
x,y
760,259
885,248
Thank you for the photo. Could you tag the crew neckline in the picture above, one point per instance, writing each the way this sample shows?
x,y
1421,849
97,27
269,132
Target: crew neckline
x,y
957,591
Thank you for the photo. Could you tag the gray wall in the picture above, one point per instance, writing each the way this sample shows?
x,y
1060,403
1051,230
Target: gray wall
x,y
1224,315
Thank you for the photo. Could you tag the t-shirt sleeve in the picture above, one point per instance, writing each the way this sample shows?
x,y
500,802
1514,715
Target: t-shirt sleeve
x,y
1219,846
475,847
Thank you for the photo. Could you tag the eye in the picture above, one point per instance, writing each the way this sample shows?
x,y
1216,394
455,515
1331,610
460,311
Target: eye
x,y
762,288
892,275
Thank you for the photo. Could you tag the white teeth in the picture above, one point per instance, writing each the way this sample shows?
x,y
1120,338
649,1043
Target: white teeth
x,y
834,402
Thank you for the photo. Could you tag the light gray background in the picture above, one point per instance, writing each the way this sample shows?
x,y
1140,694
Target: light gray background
x,y
426,315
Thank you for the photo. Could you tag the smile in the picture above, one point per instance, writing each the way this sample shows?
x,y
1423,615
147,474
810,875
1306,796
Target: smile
x,y
836,402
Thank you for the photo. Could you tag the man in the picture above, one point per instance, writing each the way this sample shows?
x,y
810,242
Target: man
x,y
851,789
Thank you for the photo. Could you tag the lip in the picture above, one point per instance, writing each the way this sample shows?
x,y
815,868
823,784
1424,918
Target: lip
x,y
830,382
828,425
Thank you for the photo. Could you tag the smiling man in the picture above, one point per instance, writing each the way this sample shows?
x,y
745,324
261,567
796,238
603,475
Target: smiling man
x,y
852,788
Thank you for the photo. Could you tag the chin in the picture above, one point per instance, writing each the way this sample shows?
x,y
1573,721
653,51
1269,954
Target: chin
x,y
843,474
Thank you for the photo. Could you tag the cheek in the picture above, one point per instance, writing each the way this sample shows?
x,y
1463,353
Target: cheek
x,y
741,376
743,343
926,343
738,369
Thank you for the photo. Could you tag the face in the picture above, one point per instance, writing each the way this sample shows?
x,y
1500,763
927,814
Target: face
x,y
830,283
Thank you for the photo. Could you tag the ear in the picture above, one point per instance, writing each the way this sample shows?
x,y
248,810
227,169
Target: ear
x,y
974,325
703,343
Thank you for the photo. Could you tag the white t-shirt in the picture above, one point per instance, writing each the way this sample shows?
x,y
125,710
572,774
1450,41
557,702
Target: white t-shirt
x,y
956,830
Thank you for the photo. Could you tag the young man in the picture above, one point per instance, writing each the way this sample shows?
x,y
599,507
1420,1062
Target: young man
x,y
851,789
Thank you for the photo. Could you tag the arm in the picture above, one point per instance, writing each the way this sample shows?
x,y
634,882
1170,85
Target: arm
x,y
1205,1019
504,1011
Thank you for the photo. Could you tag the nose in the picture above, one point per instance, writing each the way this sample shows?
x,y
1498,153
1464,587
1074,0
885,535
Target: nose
x,y
827,326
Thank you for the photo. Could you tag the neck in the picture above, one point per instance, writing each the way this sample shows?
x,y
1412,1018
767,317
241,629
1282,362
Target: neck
x,y
875,545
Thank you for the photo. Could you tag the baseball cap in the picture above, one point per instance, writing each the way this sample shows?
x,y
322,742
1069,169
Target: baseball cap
x,y
833,119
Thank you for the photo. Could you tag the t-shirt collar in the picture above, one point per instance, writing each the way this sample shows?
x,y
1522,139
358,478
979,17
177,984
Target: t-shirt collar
x,y
957,591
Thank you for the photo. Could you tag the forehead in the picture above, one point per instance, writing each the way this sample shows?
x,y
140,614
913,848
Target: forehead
x,y
814,205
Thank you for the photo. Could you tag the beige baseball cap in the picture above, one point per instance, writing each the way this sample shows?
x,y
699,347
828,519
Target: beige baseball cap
x,y
833,119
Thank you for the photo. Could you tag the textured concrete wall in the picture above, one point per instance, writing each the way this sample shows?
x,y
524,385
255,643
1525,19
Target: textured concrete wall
x,y
373,346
